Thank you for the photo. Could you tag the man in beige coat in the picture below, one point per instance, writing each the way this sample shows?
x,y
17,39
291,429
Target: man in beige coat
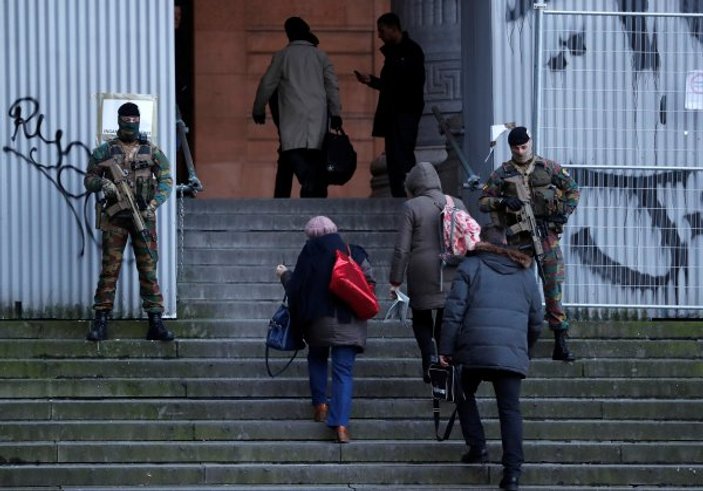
x,y
308,92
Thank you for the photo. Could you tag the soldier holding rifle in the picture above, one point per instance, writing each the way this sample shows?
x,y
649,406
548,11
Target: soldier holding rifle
x,y
532,198
135,179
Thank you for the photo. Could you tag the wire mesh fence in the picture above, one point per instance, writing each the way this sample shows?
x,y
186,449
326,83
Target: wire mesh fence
x,y
618,98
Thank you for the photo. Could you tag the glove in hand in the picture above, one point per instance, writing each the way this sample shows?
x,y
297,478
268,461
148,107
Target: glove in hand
x,y
558,218
259,118
512,203
109,189
336,122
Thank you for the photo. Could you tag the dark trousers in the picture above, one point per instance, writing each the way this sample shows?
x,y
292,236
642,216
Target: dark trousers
x,y
427,331
400,140
507,389
306,165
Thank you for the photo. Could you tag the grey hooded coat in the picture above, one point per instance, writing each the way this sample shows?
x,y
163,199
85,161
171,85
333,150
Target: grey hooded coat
x,y
418,244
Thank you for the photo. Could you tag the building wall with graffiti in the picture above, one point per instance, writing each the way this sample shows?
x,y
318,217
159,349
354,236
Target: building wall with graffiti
x,y
57,57
620,103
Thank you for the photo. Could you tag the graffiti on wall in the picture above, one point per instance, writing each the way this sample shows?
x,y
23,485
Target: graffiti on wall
x,y
60,167
641,32
648,194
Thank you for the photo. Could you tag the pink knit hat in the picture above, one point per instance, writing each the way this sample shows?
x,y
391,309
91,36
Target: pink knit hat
x,y
319,226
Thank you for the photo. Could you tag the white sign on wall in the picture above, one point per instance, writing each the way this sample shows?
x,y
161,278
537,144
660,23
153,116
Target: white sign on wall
x,y
109,103
694,90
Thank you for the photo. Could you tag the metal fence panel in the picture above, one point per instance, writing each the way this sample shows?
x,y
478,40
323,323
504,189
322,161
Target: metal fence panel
x,y
619,107
57,55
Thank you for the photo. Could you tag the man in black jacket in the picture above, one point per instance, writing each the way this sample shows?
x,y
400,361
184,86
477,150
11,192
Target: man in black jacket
x,y
401,98
492,319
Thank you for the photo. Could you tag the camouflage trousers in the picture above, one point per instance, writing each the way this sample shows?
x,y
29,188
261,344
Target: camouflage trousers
x,y
114,240
554,274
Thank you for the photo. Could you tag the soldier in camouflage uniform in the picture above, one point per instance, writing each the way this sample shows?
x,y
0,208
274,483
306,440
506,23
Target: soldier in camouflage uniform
x,y
147,171
554,196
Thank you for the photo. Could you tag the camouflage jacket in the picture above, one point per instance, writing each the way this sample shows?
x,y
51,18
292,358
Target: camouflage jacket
x,y
553,192
148,162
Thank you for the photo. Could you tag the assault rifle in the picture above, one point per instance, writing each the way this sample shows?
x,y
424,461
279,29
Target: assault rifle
x,y
125,201
526,221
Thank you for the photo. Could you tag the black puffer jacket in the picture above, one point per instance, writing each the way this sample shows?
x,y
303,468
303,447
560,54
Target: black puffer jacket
x,y
493,314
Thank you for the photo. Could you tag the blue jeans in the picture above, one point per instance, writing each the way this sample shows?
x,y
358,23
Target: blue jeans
x,y
342,381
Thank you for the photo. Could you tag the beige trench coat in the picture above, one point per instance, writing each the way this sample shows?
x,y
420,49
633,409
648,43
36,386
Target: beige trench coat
x,y
307,89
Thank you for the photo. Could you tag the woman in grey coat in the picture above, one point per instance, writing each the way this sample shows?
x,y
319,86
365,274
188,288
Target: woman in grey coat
x,y
327,324
417,248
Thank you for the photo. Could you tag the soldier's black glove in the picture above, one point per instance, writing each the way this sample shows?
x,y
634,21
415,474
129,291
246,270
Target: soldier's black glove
x,y
336,123
558,218
512,202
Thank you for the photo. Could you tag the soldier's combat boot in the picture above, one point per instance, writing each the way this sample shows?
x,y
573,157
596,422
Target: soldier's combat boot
x,y
157,329
561,351
98,328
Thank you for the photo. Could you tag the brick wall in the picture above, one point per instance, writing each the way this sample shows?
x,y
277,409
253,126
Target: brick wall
x,y
234,41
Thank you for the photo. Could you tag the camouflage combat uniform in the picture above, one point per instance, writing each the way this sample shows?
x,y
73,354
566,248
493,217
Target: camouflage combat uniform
x,y
554,196
149,175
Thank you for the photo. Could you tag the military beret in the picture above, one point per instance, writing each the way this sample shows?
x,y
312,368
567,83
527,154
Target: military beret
x,y
128,109
518,136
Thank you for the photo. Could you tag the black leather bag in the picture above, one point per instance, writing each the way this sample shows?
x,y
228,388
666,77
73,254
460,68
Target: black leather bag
x,y
339,157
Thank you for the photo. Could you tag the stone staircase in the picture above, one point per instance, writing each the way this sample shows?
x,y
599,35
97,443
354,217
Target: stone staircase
x,y
201,414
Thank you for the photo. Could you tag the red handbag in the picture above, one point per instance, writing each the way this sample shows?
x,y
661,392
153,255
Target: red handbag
x,y
349,284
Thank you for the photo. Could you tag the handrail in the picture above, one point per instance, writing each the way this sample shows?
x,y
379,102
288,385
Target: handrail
x,y
473,181
193,185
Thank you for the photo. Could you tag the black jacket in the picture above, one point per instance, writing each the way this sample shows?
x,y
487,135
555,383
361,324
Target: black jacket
x,y
494,314
401,84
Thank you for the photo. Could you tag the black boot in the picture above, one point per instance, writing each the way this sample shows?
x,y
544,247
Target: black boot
x,y
475,455
157,330
510,483
561,351
98,328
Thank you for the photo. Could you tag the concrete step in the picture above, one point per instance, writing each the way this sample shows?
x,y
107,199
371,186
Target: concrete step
x,y
357,487
558,452
247,275
645,332
266,257
288,221
274,239
352,473
376,347
298,409
311,207
365,366
368,429
615,388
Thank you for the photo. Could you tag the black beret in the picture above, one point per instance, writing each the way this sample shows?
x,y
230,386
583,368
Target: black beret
x,y
128,109
518,136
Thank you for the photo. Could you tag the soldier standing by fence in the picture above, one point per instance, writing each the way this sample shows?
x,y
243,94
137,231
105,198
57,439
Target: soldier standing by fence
x,y
135,178
529,185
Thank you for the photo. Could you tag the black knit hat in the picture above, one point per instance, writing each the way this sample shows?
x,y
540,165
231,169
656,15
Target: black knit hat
x,y
128,109
518,136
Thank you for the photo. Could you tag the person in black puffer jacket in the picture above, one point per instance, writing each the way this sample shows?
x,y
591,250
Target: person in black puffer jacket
x,y
492,319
